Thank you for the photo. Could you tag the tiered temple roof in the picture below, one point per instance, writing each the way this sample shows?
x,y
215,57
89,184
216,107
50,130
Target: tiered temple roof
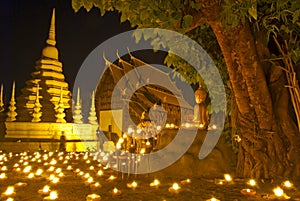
x,y
145,97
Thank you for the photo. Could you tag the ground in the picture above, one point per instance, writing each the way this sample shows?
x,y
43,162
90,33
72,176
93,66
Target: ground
x,y
72,187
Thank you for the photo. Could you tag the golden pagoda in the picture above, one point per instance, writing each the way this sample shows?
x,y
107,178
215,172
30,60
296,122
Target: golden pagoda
x,y
42,114
53,89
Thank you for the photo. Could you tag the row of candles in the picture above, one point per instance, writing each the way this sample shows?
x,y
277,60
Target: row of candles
x,y
50,160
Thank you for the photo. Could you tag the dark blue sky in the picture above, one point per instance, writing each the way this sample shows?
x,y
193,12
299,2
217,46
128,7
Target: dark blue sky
x,y
24,29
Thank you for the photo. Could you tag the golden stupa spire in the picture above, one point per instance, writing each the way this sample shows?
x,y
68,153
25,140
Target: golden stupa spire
x,y
1,99
51,37
50,51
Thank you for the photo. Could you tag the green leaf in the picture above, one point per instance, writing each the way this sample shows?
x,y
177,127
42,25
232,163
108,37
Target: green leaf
x,y
123,17
253,12
187,21
196,6
144,15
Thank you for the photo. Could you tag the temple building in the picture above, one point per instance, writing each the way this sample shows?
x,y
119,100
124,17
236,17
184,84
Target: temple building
x,y
145,98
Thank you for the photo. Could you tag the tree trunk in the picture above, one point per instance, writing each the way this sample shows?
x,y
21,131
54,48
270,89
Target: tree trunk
x,y
270,141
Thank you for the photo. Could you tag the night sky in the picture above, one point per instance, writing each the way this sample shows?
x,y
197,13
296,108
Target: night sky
x,y
24,30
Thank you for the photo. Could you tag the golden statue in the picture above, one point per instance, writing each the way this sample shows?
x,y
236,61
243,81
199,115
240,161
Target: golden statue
x,y
200,110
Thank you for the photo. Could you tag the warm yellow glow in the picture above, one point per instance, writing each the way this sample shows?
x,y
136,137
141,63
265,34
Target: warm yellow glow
x,y
46,189
175,186
87,175
100,173
134,184
53,162
227,177
4,168
3,176
213,199
143,150
92,167
27,169
121,140
30,176
38,172
51,169
112,177
116,191
288,184
118,146
9,199
53,195
10,190
69,167
155,183
278,191
58,170
55,180
252,182
90,180
214,126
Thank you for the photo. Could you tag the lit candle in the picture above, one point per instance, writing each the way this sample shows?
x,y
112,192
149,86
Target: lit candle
x,y
287,184
132,185
89,181
3,176
175,188
100,173
45,190
213,199
10,192
30,176
186,181
252,182
95,186
20,185
155,183
93,197
219,181
227,178
38,172
111,178
248,192
116,191
52,196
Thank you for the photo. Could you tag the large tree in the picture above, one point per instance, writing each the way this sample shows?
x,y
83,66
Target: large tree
x,y
258,43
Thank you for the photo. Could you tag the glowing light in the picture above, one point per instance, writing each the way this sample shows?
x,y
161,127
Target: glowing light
x,y
288,184
27,169
155,183
46,189
10,190
116,191
38,172
53,195
213,199
30,176
3,176
252,182
227,177
248,192
132,185
100,173
278,191
111,178
174,188
121,140
55,180
93,197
